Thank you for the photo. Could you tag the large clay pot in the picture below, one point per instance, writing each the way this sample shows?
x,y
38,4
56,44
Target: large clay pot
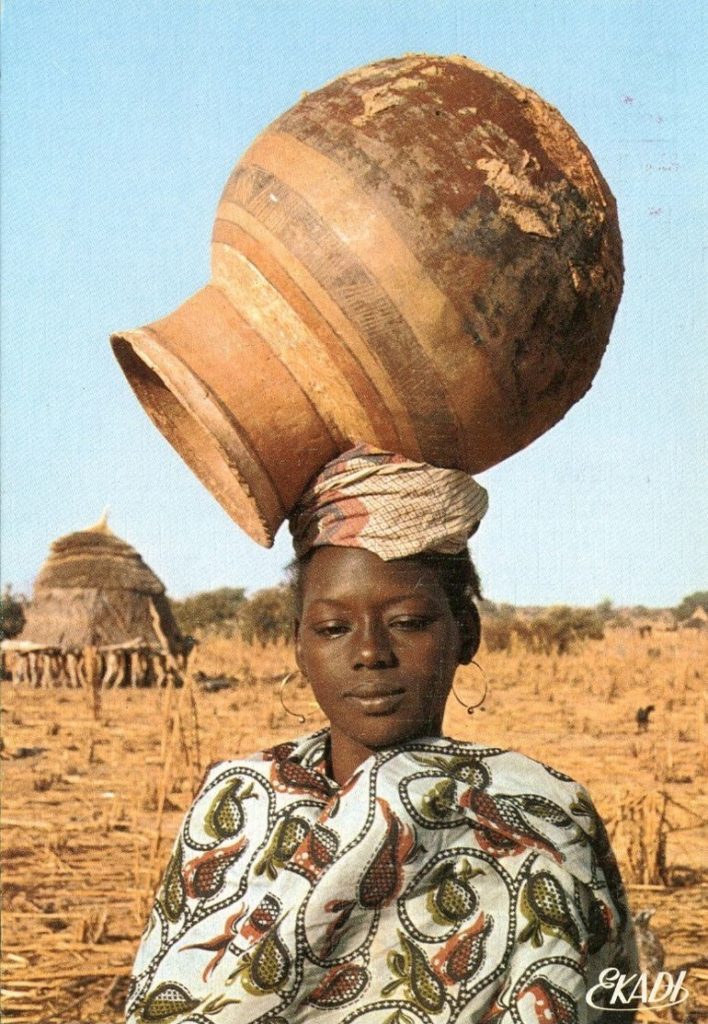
x,y
422,255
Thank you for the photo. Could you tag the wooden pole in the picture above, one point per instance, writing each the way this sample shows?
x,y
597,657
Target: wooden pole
x,y
92,675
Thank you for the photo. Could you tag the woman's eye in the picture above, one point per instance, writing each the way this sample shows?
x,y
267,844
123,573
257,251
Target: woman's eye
x,y
331,629
411,623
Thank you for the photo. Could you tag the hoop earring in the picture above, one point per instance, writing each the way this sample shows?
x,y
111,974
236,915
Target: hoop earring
x,y
286,709
471,708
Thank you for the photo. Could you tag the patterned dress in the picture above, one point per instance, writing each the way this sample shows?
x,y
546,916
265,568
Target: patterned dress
x,y
444,882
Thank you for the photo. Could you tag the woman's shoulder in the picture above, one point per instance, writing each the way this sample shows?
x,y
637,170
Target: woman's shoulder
x,y
499,768
308,750
514,796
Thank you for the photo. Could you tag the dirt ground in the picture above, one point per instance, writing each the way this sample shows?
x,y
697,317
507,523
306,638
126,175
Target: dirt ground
x,y
90,804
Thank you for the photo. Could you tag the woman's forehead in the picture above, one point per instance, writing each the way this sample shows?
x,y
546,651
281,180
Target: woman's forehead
x,y
337,573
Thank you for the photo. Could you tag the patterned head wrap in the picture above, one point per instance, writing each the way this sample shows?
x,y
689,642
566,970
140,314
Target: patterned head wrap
x,y
367,498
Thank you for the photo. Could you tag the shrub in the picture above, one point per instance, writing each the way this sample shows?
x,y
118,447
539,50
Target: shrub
x,y
497,633
213,610
573,625
560,629
556,630
685,610
490,610
268,616
12,613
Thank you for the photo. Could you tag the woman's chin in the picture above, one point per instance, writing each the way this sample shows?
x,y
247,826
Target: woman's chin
x,y
378,732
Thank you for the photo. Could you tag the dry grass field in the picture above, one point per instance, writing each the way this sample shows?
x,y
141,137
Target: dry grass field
x,y
93,796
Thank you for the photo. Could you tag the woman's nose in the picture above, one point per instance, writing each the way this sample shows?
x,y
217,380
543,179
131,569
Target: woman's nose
x,y
374,648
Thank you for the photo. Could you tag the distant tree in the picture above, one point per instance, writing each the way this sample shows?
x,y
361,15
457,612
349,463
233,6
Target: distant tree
x,y
621,620
492,610
605,610
557,629
214,610
560,629
268,616
641,611
689,604
498,632
487,608
12,613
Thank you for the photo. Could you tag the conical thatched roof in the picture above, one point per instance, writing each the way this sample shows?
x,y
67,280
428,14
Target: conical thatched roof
x,y
94,588
96,558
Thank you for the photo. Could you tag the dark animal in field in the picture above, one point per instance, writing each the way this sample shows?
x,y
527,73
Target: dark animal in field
x,y
213,684
29,752
645,631
643,717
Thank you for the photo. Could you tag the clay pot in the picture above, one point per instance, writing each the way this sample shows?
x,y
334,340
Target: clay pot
x,y
422,255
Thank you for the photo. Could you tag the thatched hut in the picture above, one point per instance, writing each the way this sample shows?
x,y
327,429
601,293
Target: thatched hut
x,y
94,590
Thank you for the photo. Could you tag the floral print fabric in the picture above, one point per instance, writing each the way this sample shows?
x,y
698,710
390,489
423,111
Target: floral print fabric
x,y
444,882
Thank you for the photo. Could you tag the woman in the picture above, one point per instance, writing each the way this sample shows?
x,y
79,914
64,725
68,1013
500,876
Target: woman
x,y
375,871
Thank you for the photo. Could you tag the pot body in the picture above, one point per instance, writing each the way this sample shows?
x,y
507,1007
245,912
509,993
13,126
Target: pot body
x,y
422,255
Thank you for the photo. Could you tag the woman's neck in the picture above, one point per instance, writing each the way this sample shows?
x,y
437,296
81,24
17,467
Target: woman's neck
x,y
346,754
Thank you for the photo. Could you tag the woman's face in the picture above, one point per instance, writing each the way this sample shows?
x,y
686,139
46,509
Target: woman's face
x,y
379,645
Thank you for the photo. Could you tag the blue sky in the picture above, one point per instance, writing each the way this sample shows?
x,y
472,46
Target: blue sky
x,y
121,123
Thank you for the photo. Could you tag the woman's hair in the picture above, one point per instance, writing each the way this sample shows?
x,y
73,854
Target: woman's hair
x,y
456,574
459,578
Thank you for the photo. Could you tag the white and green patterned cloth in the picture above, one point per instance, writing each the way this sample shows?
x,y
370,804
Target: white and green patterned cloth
x,y
445,881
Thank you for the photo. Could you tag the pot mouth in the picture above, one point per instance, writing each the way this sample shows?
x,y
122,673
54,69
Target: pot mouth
x,y
203,432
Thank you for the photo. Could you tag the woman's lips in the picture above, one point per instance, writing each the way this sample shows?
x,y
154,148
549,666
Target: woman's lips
x,y
376,700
